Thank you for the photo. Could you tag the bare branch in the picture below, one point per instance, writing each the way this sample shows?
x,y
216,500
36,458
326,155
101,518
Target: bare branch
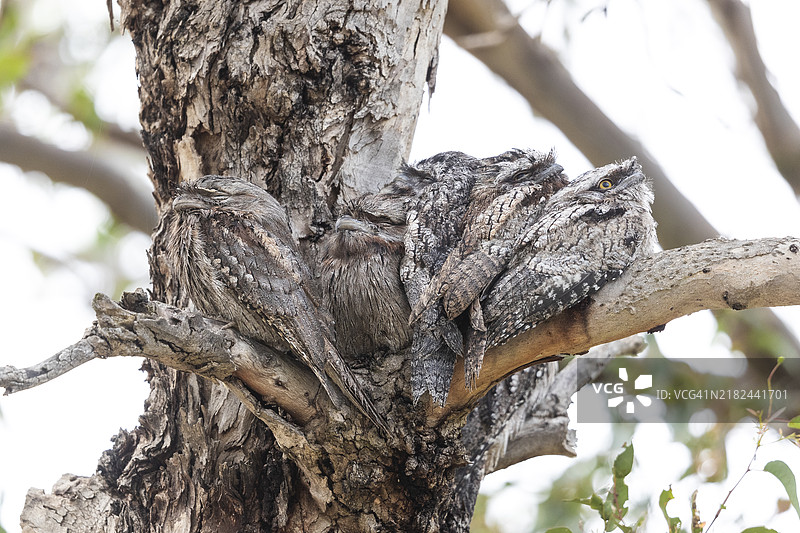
x,y
541,435
714,274
545,431
185,341
781,133
132,205
535,71
15,379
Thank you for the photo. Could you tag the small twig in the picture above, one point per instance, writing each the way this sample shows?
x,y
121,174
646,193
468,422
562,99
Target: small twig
x,y
14,379
110,14
761,432
763,427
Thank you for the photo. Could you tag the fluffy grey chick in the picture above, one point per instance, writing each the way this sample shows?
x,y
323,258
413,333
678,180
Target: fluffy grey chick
x,y
360,274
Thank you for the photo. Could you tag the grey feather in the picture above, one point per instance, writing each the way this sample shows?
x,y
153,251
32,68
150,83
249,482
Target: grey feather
x,y
586,235
435,225
508,195
360,274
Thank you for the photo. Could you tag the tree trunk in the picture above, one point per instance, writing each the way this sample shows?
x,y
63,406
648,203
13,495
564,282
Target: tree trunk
x,y
317,103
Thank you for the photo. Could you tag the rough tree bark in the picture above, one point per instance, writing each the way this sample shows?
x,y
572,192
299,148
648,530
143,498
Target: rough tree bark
x,y
316,103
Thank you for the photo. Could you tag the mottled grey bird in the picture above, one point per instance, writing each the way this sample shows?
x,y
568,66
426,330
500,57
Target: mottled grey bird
x,y
230,250
435,224
507,197
360,274
586,235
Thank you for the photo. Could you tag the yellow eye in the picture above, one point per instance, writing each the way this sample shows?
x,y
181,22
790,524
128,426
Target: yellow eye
x,y
604,185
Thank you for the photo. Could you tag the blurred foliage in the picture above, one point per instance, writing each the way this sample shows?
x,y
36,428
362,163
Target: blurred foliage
x,y
611,503
80,104
57,61
479,524
558,505
613,507
14,48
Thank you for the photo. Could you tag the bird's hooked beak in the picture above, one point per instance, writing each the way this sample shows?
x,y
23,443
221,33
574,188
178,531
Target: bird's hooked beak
x,y
633,173
184,202
348,223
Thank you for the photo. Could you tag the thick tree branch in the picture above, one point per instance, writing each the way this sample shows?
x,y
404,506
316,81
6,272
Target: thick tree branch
x,y
781,133
132,205
714,274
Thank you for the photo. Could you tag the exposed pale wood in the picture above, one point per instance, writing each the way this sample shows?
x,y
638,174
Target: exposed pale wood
x,y
715,274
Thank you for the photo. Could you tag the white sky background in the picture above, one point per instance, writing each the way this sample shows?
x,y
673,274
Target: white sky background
x,y
661,70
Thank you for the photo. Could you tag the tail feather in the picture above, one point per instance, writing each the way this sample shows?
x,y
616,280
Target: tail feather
x,y
437,342
347,382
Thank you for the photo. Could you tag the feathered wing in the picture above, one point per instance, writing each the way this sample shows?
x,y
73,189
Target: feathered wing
x,y
536,296
510,192
588,233
434,227
263,268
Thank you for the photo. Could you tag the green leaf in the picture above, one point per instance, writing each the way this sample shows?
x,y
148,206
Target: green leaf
x,y
623,464
618,496
794,423
81,106
13,65
674,523
758,529
558,530
780,470
596,503
621,497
